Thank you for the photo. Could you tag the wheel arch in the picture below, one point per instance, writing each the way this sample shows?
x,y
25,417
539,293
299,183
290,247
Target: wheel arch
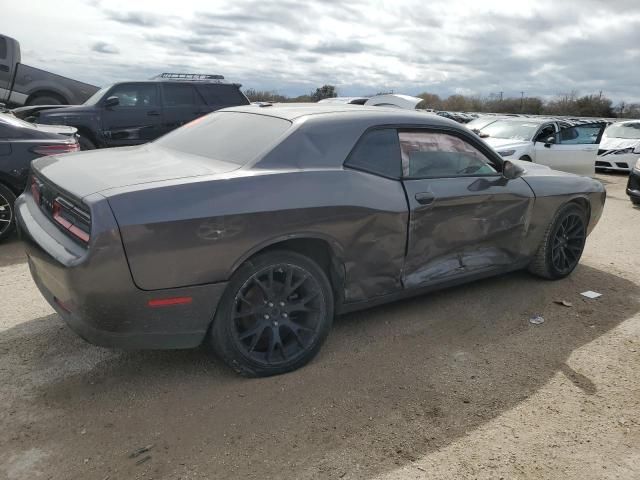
x,y
323,249
584,203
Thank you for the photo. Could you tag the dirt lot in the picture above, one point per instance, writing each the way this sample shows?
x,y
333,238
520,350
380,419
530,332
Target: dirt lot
x,y
457,384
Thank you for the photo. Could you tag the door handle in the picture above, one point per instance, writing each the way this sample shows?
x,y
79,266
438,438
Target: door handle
x,y
4,68
425,198
153,113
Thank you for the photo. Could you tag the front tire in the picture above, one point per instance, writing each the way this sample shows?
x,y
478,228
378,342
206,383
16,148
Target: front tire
x,y
274,315
635,201
562,245
7,212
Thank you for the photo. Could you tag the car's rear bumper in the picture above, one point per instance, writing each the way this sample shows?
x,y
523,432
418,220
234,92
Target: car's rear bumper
x,y
93,291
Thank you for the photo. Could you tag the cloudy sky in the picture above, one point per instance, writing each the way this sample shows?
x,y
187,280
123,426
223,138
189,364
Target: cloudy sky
x,y
442,46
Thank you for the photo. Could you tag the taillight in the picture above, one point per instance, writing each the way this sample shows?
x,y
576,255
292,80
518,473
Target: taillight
x,y
57,148
35,190
74,220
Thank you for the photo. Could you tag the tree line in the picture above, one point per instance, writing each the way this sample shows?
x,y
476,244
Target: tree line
x,y
572,104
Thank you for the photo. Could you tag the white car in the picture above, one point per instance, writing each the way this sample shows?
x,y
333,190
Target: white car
x,y
620,146
569,146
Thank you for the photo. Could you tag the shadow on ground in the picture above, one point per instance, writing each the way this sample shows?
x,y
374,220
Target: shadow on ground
x,y
11,252
391,385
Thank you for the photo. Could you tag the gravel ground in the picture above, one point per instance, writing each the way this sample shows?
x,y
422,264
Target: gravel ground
x,y
456,384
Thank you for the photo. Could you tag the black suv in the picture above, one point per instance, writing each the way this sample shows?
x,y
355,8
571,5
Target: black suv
x,y
131,113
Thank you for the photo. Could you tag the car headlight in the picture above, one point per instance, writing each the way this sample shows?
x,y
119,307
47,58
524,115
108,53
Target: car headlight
x,y
637,149
506,153
637,167
624,151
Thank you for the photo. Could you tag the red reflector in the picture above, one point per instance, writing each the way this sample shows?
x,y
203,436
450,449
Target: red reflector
x,y
57,148
78,232
167,302
58,217
35,190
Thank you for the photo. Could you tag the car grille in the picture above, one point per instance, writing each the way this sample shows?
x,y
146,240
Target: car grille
x,y
72,217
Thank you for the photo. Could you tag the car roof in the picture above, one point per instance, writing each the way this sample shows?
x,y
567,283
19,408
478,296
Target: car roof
x,y
337,111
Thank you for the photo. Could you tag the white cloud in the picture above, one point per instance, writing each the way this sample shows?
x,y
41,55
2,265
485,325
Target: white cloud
x,y
542,47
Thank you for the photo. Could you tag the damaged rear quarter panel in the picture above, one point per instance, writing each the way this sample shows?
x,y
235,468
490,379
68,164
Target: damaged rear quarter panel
x,y
198,232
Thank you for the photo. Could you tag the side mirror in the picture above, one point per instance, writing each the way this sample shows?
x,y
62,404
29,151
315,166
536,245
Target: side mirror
x,y
549,141
511,171
111,102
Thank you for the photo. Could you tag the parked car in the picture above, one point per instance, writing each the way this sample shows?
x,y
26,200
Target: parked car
x,y
633,185
21,84
21,142
254,225
568,146
132,113
620,146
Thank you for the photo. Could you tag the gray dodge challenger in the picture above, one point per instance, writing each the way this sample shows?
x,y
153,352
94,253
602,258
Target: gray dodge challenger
x,y
251,228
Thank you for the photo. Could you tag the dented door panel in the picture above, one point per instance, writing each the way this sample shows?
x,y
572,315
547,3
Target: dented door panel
x,y
472,224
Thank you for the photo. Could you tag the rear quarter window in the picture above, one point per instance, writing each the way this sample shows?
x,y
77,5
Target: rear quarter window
x,y
227,136
378,152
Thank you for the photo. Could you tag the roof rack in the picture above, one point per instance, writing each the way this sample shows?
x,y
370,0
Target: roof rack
x,y
189,77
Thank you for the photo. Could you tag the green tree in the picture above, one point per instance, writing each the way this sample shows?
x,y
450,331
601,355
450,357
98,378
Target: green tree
x,y
326,91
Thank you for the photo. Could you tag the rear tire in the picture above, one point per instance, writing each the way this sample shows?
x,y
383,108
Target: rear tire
x,y
274,315
7,212
46,99
562,244
635,201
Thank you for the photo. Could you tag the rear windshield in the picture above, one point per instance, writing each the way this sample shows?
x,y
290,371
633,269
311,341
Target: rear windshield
x,y
8,119
628,130
221,96
227,136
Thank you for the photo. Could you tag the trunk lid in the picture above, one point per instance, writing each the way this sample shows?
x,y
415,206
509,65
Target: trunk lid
x,y
88,172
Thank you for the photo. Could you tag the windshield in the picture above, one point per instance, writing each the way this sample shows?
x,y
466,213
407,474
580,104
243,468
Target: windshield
x,y
95,98
480,123
511,129
226,136
625,130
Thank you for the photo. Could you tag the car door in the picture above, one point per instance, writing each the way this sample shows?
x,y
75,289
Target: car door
x,y
465,218
136,118
181,103
573,149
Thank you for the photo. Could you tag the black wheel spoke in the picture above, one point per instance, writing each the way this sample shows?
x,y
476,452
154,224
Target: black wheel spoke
x,y
567,243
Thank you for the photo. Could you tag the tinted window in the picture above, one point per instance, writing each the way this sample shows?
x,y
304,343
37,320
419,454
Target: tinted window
x,y
221,96
227,136
180,95
378,151
3,48
135,94
427,154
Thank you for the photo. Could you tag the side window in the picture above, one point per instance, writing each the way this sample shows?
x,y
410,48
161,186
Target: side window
x,y
580,135
377,151
180,95
429,154
135,94
545,132
221,96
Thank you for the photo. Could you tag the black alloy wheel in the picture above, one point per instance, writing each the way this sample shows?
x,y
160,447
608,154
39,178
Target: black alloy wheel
x,y
562,244
568,243
274,316
7,215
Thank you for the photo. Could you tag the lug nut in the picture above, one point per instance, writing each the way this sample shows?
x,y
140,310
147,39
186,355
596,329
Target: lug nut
x,y
270,304
282,304
266,317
